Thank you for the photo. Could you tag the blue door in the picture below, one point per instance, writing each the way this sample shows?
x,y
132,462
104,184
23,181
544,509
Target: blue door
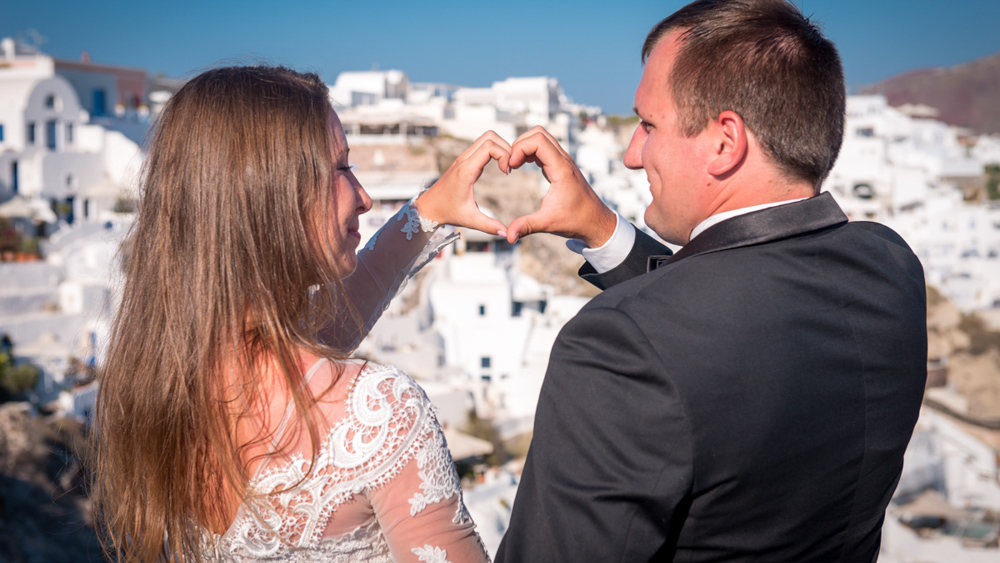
x,y
100,103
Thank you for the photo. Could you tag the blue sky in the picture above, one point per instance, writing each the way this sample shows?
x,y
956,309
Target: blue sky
x,y
591,47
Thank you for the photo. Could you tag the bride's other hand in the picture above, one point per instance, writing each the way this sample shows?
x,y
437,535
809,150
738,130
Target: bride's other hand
x,y
450,200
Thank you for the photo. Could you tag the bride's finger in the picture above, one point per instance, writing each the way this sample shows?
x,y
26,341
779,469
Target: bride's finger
x,y
483,222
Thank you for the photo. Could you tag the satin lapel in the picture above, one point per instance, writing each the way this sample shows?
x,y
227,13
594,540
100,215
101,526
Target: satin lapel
x,y
766,225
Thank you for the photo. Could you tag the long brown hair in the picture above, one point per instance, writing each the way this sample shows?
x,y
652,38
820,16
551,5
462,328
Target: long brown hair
x,y
226,248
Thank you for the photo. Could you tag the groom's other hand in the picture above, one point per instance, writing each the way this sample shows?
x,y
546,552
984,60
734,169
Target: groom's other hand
x,y
570,209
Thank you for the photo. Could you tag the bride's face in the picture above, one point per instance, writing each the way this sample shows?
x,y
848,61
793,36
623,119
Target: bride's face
x,y
348,201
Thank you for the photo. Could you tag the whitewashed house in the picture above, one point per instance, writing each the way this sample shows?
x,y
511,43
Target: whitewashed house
x,y
385,107
910,172
49,150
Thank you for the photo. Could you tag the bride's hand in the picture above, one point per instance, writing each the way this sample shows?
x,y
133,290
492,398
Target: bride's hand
x,y
450,200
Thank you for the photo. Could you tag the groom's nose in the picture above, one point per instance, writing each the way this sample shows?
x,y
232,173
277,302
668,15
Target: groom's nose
x,y
633,155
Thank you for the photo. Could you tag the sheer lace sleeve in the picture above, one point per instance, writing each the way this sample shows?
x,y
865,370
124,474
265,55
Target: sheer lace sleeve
x,y
394,254
421,511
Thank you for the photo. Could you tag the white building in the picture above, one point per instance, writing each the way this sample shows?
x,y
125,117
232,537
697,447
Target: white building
x,y
385,107
49,150
910,173
62,307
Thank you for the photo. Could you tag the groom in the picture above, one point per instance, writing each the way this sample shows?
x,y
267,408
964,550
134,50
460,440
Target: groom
x,y
751,396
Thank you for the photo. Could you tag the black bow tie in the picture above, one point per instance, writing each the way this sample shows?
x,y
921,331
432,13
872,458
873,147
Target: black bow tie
x,y
655,261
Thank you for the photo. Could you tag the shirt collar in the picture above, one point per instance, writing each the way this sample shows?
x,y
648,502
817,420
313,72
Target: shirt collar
x,y
720,217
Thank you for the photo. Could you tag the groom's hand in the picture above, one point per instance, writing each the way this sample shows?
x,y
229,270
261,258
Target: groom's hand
x,y
570,209
450,200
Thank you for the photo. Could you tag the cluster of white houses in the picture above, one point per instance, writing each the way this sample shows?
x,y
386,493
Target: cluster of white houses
x,y
473,326
69,131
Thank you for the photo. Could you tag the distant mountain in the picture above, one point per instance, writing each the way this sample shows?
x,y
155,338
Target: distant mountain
x,y
967,95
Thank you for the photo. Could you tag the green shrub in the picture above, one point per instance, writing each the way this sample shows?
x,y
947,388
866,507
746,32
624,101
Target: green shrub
x,y
17,379
993,181
21,378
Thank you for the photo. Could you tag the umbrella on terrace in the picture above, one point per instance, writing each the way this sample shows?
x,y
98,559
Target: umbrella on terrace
x,y
24,208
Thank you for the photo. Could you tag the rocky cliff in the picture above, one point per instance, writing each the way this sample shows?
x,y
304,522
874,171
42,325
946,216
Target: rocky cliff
x,y
965,94
44,512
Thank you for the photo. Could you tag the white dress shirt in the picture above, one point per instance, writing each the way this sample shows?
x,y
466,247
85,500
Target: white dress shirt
x,y
614,251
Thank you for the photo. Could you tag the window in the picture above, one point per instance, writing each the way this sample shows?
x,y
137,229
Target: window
x,y
13,176
69,133
864,191
485,362
100,103
31,133
482,310
1,132
50,101
69,209
50,134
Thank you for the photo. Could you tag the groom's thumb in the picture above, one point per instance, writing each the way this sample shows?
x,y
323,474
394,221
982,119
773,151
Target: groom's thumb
x,y
521,227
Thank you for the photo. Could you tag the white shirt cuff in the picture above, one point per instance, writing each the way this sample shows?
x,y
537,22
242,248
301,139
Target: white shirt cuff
x,y
613,252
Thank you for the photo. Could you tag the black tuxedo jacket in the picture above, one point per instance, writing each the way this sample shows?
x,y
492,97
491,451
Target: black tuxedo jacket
x,y
748,400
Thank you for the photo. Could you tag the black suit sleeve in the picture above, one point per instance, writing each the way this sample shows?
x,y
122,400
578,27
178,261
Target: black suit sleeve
x,y
609,469
634,264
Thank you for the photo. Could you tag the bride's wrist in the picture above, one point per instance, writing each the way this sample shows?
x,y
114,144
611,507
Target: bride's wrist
x,y
415,220
426,207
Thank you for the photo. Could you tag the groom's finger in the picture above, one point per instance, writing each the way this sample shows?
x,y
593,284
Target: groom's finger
x,y
487,137
486,151
540,147
542,133
526,225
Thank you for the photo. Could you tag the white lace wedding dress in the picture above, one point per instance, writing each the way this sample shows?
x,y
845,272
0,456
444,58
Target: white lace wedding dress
x,y
383,488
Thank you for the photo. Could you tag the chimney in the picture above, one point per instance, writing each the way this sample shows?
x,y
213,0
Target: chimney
x,y
7,47
85,58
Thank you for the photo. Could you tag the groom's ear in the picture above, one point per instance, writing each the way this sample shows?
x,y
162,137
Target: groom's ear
x,y
729,142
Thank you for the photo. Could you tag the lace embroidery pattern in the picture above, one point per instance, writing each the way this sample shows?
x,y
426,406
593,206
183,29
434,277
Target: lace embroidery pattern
x,y
395,255
414,222
389,421
431,554
365,544
437,481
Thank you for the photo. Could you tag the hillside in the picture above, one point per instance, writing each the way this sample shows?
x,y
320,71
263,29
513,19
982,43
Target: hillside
x,y
965,94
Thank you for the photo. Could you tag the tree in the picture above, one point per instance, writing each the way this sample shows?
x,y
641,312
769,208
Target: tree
x,y
14,379
993,181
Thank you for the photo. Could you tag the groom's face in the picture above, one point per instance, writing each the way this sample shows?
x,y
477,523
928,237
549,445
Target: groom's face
x,y
672,161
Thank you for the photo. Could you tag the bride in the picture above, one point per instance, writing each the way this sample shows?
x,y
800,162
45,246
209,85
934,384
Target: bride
x,y
231,423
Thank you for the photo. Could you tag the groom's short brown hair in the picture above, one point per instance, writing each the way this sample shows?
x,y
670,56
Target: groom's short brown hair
x,y
767,62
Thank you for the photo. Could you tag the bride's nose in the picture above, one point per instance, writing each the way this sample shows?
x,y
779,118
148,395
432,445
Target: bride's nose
x,y
364,202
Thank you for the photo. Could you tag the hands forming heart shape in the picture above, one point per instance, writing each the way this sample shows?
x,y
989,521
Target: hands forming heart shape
x,y
570,209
